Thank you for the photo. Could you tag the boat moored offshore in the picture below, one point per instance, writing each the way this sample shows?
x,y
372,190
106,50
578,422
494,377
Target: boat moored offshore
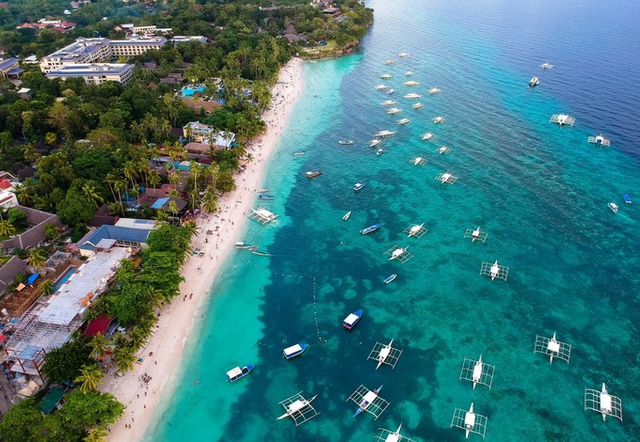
x,y
358,187
614,207
352,319
236,373
627,198
346,142
385,133
313,174
371,229
534,82
264,196
294,350
346,215
389,279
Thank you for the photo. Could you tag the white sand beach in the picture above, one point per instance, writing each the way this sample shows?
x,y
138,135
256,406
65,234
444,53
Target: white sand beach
x,y
165,349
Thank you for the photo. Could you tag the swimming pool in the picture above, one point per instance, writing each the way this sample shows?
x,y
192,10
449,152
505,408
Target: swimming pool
x,y
189,91
65,278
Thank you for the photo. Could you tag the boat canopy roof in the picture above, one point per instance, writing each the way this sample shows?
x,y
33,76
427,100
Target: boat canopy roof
x,y
234,372
293,349
351,319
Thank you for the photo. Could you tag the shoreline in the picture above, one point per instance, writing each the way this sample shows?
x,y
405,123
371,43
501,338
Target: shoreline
x,y
167,344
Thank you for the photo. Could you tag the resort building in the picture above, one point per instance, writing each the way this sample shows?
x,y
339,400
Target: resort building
x,y
10,68
146,30
61,26
95,73
203,133
7,200
51,321
125,233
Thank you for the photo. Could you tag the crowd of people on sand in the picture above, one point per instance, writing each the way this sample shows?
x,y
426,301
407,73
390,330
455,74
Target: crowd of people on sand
x,y
220,231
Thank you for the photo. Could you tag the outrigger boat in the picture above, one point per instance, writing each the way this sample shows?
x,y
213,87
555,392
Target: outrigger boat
x,y
371,229
296,407
266,197
379,151
403,54
397,253
434,90
236,373
367,400
417,106
381,87
614,207
375,142
299,153
546,65
389,62
386,76
351,320
358,187
415,230
313,174
389,279
627,198
244,246
394,111
388,103
294,350
495,270
390,91
384,353
385,133
438,120
266,190
346,142
427,136
346,215
413,96
408,73
411,83
404,121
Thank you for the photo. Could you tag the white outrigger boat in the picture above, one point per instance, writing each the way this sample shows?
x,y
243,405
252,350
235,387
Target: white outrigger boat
x,y
413,96
418,161
427,136
443,150
384,354
411,83
408,73
469,421
552,348
416,230
417,106
386,76
381,87
298,408
434,90
403,54
404,121
379,151
346,215
385,133
603,403
375,142
388,103
390,91
394,111
438,120
546,65
389,62
389,436
397,253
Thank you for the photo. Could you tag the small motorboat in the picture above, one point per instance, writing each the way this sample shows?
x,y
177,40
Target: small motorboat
x,y
534,82
379,151
375,142
389,279
266,190
403,54
371,229
346,215
358,187
367,400
351,320
627,198
614,207
299,153
264,196
294,350
236,373
313,174
417,106
346,142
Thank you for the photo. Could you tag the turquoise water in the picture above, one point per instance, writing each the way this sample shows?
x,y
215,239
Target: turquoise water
x,y
540,191
64,278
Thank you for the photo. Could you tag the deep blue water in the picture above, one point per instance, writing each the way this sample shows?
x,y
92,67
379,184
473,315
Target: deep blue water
x,y
540,191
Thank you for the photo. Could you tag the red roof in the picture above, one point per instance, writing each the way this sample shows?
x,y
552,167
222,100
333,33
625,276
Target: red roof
x,y
2,338
98,325
5,184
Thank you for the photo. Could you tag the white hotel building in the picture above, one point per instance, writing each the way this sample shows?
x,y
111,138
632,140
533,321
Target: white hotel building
x,y
75,60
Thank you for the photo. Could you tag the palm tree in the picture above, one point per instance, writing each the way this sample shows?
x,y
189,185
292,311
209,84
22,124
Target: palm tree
x,y
161,216
110,179
130,172
99,345
120,340
124,358
90,192
6,228
156,298
173,207
192,228
174,178
96,434
36,257
137,338
47,287
154,178
26,194
210,199
90,377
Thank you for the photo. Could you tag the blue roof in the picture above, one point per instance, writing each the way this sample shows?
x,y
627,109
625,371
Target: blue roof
x,y
115,232
160,203
32,278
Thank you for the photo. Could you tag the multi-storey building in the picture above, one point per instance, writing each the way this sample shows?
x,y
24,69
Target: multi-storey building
x,y
95,73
